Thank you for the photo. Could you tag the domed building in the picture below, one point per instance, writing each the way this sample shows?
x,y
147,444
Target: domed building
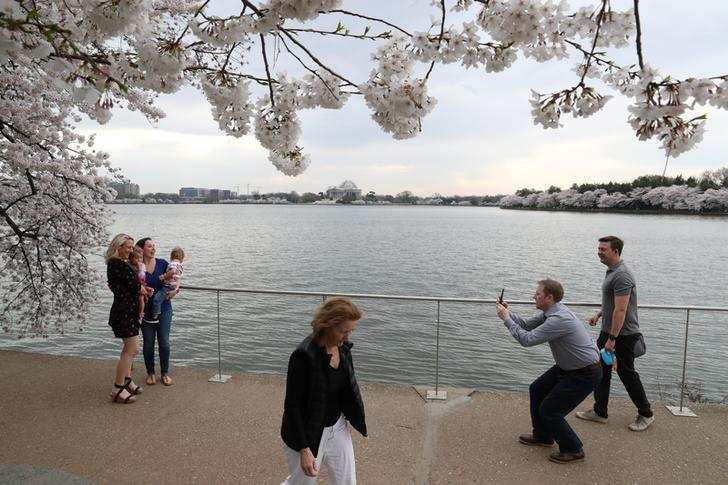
x,y
346,189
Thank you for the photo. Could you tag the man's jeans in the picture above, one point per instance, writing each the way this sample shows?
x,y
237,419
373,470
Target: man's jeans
x,y
624,351
554,395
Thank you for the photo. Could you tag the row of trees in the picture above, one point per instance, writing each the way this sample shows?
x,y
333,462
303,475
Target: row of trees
x,y
709,179
705,194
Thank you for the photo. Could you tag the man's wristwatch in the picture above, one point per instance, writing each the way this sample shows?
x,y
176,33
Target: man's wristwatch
x,y
612,337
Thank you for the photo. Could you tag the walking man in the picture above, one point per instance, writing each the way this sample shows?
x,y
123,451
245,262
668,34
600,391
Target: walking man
x,y
565,385
620,334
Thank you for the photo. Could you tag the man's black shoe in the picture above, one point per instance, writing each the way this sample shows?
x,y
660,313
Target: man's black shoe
x,y
528,439
558,457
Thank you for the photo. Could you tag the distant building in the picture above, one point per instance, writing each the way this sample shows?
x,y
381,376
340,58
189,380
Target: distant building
x,y
189,192
208,195
125,189
347,189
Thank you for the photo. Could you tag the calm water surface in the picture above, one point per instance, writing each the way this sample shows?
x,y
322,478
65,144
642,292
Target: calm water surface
x,y
429,251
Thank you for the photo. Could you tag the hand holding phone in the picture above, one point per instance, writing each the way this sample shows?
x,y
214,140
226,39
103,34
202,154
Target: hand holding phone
x,y
500,298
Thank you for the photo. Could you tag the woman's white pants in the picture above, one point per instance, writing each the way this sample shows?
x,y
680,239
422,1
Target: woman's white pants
x,y
336,453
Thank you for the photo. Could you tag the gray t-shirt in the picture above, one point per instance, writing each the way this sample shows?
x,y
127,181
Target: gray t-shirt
x,y
620,281
570,342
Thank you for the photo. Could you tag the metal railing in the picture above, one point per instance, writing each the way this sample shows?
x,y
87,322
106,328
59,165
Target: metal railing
x,y
437,393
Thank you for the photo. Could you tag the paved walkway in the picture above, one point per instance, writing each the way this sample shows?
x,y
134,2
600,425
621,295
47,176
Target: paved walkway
x,y
57,426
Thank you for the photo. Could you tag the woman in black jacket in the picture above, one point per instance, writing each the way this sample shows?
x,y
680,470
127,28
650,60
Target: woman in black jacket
x,y
124,314
321,396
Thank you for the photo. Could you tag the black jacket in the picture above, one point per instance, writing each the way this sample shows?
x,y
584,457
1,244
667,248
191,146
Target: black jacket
x,y
306,393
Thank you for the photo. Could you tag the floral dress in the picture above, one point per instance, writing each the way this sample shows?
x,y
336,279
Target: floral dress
x,y
124,314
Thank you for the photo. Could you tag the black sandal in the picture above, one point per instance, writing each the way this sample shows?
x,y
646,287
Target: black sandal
x,y
117,397
136,391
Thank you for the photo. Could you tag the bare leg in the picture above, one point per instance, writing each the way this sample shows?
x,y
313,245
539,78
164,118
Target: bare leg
x,y
128,352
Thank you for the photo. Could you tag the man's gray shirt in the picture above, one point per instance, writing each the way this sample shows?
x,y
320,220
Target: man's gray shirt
x,y
619,281
570,342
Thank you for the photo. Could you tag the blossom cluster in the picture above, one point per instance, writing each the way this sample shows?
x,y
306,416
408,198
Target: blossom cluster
x,y
580,102
398,101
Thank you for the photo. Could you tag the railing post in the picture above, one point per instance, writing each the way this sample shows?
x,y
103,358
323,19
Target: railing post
x,y
219,377
437,393
680,410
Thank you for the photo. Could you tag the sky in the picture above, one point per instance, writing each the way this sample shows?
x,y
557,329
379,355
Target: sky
x,y
480,138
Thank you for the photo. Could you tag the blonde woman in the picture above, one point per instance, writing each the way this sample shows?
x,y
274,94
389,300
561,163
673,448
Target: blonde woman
x,y
124,314
321,396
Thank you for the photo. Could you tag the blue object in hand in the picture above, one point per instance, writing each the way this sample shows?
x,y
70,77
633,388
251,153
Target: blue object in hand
x,y
607,356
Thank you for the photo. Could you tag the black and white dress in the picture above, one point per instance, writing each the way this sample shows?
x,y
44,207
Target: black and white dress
x,y
124,314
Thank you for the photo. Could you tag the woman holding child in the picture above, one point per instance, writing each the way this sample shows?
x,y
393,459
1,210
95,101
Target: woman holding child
x,y
322,395
124,314
157,327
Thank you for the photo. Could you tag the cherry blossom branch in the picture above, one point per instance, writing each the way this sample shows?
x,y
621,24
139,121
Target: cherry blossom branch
x,y
314,58
312,71
384,35
267,69
594,43
639,33
439,40
373,19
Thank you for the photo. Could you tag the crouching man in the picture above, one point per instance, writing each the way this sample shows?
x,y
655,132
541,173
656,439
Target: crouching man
x,y
565,385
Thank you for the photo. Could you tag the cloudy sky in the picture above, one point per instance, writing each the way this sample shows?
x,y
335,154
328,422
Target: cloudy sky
x,y
480,139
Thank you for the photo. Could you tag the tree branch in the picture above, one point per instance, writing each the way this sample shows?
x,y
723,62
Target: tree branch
x,y
439,41
267,69
374,19
383,35
283,41
594,43
314,58
639,33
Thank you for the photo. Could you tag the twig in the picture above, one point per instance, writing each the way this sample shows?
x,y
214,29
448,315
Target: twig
x,y
267,69
353,14
314,58
639,33
312,71
594,43
439,41
383,35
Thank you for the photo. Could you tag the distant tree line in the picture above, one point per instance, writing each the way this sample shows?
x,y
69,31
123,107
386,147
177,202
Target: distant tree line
x,y
707,193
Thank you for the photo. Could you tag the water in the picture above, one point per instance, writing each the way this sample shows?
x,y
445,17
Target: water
x,y
440,251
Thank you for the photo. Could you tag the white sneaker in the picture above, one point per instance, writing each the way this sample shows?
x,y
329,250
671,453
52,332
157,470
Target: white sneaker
x,y
641,423
590,415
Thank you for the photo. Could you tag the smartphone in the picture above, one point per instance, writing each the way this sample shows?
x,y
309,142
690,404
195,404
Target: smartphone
x,y
500,298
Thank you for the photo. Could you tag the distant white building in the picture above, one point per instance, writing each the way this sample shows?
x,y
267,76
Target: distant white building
x,y
347,188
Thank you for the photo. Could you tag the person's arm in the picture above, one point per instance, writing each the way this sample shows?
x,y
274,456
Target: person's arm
x,y
623,285
530,323
594,319
551,328
296,382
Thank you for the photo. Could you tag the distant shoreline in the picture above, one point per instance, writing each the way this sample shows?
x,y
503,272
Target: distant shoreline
x,y
674,212
398,204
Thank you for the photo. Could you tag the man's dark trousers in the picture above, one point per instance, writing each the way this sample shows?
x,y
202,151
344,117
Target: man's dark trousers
x,y
553,396
624,351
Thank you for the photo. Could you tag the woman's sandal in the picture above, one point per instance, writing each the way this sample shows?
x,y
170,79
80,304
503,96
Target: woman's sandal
x,y
166,380
117,397
136,390
151,380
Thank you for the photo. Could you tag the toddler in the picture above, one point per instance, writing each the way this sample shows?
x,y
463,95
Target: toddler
x,y
171,284
137,264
